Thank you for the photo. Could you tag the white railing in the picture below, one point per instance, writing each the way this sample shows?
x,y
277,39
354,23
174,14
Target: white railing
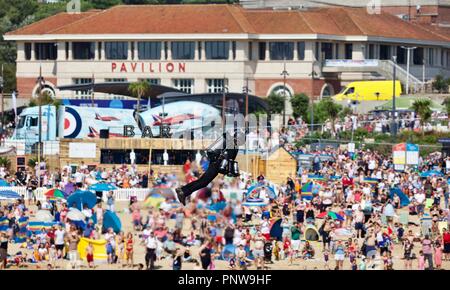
x,y
387,67
121,194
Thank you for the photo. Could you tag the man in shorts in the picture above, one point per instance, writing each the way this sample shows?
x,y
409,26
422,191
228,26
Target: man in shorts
x,y
258,252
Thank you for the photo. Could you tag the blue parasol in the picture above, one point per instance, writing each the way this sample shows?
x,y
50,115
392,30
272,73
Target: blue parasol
x,y
80,198
4,183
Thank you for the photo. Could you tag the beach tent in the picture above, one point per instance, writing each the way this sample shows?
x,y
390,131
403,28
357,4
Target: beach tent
x,y
100,255
36,227
307,191
311,233
254,202
404,200
270,191
276,231
21,235
4,224
111,220
227,251
4,183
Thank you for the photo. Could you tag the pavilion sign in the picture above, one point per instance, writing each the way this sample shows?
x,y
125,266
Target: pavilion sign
x,y
148,67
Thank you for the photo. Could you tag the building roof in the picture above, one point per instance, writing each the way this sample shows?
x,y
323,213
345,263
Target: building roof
x,y
229,19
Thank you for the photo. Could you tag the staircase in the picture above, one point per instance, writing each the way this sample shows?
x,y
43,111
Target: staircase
x,y
386,68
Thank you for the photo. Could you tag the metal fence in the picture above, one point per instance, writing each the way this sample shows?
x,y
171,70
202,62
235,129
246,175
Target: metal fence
x,y
121,194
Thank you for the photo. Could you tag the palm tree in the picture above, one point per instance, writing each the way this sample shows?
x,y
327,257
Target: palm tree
x,y
139,89
332,110
422,107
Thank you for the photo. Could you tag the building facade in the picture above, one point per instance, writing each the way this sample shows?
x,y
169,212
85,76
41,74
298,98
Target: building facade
x,y
204,48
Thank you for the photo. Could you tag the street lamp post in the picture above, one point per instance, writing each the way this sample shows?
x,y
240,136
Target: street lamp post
x,y
284,73
408,49
41,83
394,125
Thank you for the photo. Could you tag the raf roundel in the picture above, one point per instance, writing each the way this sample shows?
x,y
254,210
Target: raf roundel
x,y
72,123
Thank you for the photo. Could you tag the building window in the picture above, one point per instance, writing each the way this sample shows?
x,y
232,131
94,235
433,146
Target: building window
x,y
100,50
184,85
116,50
149,50
371,51
336,50
27,50
442,57
183,49
401,56
85,94
215,85
83,50
66,49
115,80
132,43
262,50
348,51
431,56
385,52
45,51
301,50
418,56
281,51
233,49
250,51
152,81
199,50
327,50
217,49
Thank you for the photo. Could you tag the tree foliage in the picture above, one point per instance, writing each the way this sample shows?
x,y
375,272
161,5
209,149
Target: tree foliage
x,y
441,84
275,103
300,105
422,107
139,89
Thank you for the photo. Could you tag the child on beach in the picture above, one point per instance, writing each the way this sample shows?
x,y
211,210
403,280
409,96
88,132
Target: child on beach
x,y
326,258
90,255
421,261
438,255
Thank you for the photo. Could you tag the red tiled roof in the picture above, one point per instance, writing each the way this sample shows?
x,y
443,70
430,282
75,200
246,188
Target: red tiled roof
x,y
48,24
226,19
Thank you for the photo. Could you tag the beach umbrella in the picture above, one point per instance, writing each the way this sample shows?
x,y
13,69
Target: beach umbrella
x,y
44,216
75,215
55,193
102,187
331,214
80,198
4,183
9,194
111,220
276,231
154,201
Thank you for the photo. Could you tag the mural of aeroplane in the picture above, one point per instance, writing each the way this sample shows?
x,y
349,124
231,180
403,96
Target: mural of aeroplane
x,y
105,118
178,119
